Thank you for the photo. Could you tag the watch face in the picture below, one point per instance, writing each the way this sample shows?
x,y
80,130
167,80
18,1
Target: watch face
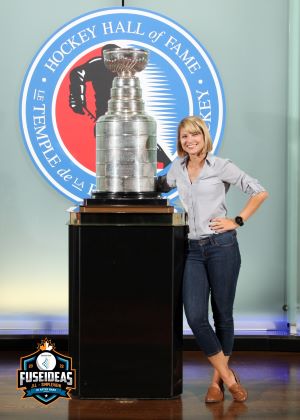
x,y
239,220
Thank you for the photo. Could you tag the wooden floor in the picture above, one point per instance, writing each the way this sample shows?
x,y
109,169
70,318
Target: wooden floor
x,y
272,379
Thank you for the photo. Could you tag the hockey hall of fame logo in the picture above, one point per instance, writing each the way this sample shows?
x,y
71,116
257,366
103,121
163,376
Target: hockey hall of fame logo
x,y
46,374
67,88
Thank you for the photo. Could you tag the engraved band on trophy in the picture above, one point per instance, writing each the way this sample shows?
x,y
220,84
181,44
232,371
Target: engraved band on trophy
x,y
126,148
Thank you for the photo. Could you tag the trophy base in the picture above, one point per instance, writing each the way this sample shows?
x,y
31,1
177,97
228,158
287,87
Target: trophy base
x,y
126,198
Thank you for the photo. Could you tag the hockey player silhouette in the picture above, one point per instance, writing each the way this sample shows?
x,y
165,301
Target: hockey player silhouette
x,y
94,71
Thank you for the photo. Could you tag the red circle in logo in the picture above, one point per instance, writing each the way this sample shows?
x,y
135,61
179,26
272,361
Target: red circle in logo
x,y
76,130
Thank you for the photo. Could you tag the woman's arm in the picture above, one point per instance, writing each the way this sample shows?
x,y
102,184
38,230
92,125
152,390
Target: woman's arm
x,y
223,224
253,204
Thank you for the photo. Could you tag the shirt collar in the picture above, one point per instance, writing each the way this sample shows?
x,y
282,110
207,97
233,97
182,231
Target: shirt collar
x,y
210,159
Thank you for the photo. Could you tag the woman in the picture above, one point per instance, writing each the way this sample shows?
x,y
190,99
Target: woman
x,y
213,258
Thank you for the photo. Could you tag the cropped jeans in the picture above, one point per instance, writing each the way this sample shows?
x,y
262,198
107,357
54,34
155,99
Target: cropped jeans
x,y
211,269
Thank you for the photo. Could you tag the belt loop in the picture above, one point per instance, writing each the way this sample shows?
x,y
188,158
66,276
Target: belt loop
x,y
212,239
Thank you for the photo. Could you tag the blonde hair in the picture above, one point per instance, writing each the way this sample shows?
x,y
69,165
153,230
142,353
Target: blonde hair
x,y
194,124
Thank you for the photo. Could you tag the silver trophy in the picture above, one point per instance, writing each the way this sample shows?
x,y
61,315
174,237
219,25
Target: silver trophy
x,y
126,148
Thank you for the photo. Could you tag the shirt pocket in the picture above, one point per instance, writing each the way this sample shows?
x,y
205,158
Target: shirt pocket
x,y
212,188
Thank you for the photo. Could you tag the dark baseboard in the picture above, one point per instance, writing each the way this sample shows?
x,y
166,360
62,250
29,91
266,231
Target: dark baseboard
x,y
29,343
275,343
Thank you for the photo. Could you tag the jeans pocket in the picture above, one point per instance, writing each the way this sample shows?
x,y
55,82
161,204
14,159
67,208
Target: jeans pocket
x,y
225,239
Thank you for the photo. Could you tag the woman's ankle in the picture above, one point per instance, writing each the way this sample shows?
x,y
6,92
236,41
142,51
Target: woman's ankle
x,y
229,378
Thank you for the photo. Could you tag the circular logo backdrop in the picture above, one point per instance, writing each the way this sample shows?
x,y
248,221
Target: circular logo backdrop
x,y
67,88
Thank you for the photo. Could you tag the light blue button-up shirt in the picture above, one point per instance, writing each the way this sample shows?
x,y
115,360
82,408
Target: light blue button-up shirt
x,y
204,198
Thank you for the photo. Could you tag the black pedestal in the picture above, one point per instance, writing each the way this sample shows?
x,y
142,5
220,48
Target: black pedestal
x,y
125,303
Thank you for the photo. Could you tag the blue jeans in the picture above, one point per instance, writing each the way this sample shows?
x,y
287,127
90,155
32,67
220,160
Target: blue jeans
x,y
212,268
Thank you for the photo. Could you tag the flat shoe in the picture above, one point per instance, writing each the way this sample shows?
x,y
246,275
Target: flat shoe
x,y
214,394
238,392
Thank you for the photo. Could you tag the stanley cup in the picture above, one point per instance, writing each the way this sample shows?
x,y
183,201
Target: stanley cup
x,y
126,149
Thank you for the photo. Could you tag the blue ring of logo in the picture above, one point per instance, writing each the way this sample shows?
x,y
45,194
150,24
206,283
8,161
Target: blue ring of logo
x,y
190,81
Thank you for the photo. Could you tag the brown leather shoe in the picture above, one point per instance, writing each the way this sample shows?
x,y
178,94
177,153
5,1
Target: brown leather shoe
x,y
215,394
238,392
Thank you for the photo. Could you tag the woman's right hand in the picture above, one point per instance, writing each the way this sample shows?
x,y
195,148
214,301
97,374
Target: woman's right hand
x,y
161,184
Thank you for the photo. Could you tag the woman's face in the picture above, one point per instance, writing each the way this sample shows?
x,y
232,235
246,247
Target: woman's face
x,y
191,142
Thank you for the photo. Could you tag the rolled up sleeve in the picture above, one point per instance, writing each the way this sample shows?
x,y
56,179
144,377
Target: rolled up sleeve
x,y
233,175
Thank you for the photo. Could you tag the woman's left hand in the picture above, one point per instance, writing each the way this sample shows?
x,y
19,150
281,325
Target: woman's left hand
x,y
220,225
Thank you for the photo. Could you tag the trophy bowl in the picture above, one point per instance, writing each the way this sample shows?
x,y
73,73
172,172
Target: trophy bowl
x,y
125,61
